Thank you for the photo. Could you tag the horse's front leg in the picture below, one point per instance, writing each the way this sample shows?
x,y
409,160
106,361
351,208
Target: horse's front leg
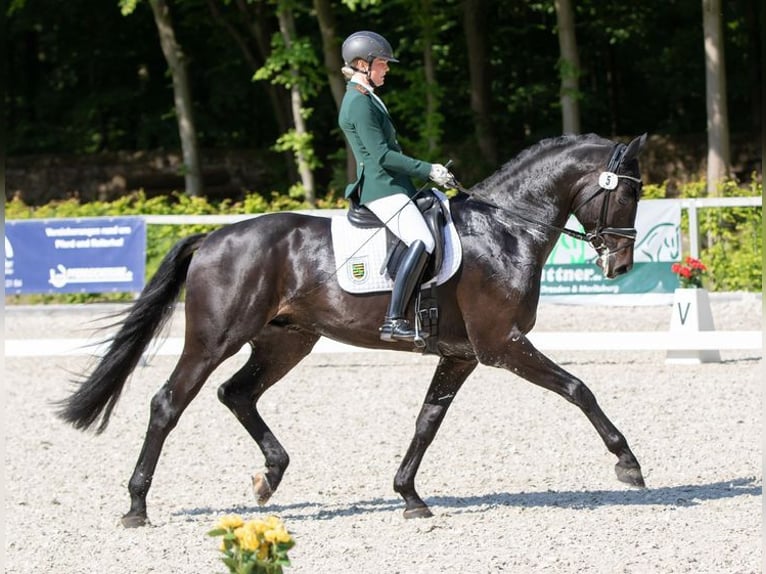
x,y
523,359
450,375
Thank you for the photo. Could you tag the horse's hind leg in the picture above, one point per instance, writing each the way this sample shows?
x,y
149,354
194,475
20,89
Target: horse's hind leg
x,y
275,352
167,405
526,361
450,375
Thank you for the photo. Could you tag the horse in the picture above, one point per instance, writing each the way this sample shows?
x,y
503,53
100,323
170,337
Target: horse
x,y
270,282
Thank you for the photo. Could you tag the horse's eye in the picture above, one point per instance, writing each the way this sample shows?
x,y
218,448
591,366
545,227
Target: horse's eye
x,y
625,196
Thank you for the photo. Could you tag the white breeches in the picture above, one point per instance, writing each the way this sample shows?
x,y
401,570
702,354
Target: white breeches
x,y
403,218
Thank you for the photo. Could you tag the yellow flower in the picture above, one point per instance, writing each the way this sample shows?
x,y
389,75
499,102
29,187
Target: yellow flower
x,y
230,522
258,526
248,537
277,535
273,522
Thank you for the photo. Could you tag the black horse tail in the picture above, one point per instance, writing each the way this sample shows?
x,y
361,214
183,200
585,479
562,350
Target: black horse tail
x,y
99,392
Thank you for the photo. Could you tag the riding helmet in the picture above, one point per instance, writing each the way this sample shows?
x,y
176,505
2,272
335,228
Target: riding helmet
x,y
368,46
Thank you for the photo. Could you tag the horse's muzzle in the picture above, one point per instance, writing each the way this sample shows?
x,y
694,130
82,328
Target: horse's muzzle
x,y
616,262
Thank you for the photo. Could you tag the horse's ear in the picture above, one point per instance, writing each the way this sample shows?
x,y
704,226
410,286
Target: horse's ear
x,y
634,148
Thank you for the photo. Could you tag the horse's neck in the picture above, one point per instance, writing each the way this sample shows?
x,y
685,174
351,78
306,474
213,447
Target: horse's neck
x,y
538,191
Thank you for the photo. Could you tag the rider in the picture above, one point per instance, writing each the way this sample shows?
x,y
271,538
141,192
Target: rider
x,y
383,172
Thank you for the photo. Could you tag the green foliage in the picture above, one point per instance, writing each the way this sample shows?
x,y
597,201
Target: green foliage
x,y
653,191
297,64
300,145
255,546
353,5
15,6
86,79
127,7
294,66
731,242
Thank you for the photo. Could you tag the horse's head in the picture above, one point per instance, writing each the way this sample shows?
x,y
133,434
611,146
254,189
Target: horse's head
x,y
606,204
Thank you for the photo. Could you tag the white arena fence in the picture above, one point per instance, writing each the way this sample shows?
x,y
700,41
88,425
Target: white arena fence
x,y
692,205
545,341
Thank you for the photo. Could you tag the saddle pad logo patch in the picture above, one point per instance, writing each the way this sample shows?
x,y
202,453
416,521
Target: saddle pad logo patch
x,y
358,269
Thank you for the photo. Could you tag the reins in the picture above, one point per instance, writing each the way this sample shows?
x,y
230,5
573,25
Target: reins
x,y
608,181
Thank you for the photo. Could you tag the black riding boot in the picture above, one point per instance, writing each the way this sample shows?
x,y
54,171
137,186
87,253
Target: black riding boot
x,y
395,327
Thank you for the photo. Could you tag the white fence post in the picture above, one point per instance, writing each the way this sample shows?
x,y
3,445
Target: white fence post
x,y
694,233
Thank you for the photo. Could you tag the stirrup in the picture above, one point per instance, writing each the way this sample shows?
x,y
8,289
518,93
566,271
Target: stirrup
x,y
400,330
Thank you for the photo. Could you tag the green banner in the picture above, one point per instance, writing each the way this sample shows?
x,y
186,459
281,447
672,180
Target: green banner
x,y
588,280
571,267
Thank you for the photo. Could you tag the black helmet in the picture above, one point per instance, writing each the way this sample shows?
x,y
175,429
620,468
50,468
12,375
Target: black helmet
x,y
367,46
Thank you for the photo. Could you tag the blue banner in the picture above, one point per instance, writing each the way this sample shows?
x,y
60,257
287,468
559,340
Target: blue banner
x,y
86,255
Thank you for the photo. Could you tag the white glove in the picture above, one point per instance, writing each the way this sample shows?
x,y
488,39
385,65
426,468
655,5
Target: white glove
x,y
440,175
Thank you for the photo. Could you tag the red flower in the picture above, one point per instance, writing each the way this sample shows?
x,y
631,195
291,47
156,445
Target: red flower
x,y
689,272
696,264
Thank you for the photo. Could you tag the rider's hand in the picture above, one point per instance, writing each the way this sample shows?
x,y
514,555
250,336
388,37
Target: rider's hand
x,y
440,175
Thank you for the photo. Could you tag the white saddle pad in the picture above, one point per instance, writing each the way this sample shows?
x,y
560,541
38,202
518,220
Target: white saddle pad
x,y
360,254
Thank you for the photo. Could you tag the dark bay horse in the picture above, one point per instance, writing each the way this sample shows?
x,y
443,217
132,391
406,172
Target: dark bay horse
x,y
270,282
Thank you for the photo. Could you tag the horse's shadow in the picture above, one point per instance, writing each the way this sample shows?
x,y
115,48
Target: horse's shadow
x,y
686,495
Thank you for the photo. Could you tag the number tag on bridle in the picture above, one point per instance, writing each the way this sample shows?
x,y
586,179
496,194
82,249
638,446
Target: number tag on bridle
x,y
608,180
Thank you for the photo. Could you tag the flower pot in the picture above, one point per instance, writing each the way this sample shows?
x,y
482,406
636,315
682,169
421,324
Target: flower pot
x,y
691,313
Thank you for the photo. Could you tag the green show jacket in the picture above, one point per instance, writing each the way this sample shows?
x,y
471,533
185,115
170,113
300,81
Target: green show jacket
x,y
381,167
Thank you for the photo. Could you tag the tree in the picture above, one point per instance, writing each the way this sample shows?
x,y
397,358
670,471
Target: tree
x,y
569,68
422,17
293,64
85,80
302,137
474,26
176,61
255,47
333,61
718,157
330,49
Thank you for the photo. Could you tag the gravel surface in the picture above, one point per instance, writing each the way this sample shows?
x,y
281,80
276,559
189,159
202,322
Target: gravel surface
x,y
517,478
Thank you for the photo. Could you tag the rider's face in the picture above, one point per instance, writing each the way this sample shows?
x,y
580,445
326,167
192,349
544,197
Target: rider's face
x,y
378,71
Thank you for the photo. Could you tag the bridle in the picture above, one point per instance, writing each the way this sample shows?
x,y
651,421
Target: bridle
x,y
607,181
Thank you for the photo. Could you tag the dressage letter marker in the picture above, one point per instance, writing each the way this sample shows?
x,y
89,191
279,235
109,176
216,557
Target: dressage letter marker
x,y
691,316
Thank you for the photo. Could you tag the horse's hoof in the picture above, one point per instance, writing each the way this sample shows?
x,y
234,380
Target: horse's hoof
x,y
261,489
134,520
630,475
419,512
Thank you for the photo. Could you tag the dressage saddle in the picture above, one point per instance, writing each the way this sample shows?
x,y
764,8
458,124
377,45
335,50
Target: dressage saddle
x,y
434,215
